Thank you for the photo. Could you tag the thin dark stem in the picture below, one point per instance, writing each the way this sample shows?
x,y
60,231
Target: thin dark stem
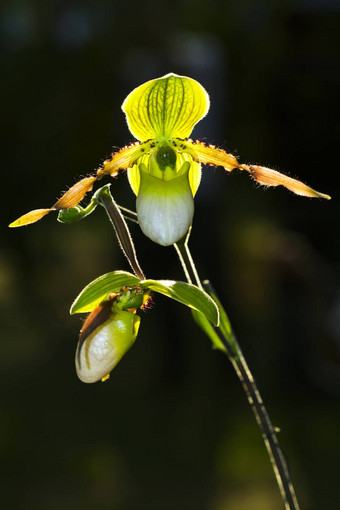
x,y
245,376
122,231
128,215
234,352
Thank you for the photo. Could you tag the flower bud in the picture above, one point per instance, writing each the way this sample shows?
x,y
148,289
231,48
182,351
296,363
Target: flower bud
x,y
108,333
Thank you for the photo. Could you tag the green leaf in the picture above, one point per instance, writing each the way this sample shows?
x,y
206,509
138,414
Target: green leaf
x,y
99,289
209,330
168,107
224,326
186,294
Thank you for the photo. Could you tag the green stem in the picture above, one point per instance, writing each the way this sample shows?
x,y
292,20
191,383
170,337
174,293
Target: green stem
x,y
182,255
225,334
189,268
236,357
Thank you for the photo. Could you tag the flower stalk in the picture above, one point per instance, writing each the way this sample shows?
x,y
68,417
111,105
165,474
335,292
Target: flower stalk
x,y
189,268
255,401
121,230
236,357
234,352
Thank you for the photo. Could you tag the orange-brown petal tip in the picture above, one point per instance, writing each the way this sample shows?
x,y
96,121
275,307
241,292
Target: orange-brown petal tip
x,y
30,217
269,177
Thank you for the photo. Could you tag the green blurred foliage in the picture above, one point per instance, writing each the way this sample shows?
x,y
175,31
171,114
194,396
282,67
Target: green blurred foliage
x,y
171,428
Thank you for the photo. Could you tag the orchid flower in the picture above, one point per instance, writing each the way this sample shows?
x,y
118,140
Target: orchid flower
x,y
164,165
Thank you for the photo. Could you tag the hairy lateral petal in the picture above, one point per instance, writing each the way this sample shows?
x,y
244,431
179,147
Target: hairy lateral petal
x,y
207,154
75,194
30,217
211,155
71,198
122,159
125,158
269,177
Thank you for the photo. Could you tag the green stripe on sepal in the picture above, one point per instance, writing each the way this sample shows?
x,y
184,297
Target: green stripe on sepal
x,y
164,108
186,294
98,290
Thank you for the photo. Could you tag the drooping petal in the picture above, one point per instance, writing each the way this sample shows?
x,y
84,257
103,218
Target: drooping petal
x,y
165,208
167,107
125,158
269,177
71,198
30,217
75,194
207,154
210,155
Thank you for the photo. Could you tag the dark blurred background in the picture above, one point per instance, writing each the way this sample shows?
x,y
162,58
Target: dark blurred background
x,y
171,428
